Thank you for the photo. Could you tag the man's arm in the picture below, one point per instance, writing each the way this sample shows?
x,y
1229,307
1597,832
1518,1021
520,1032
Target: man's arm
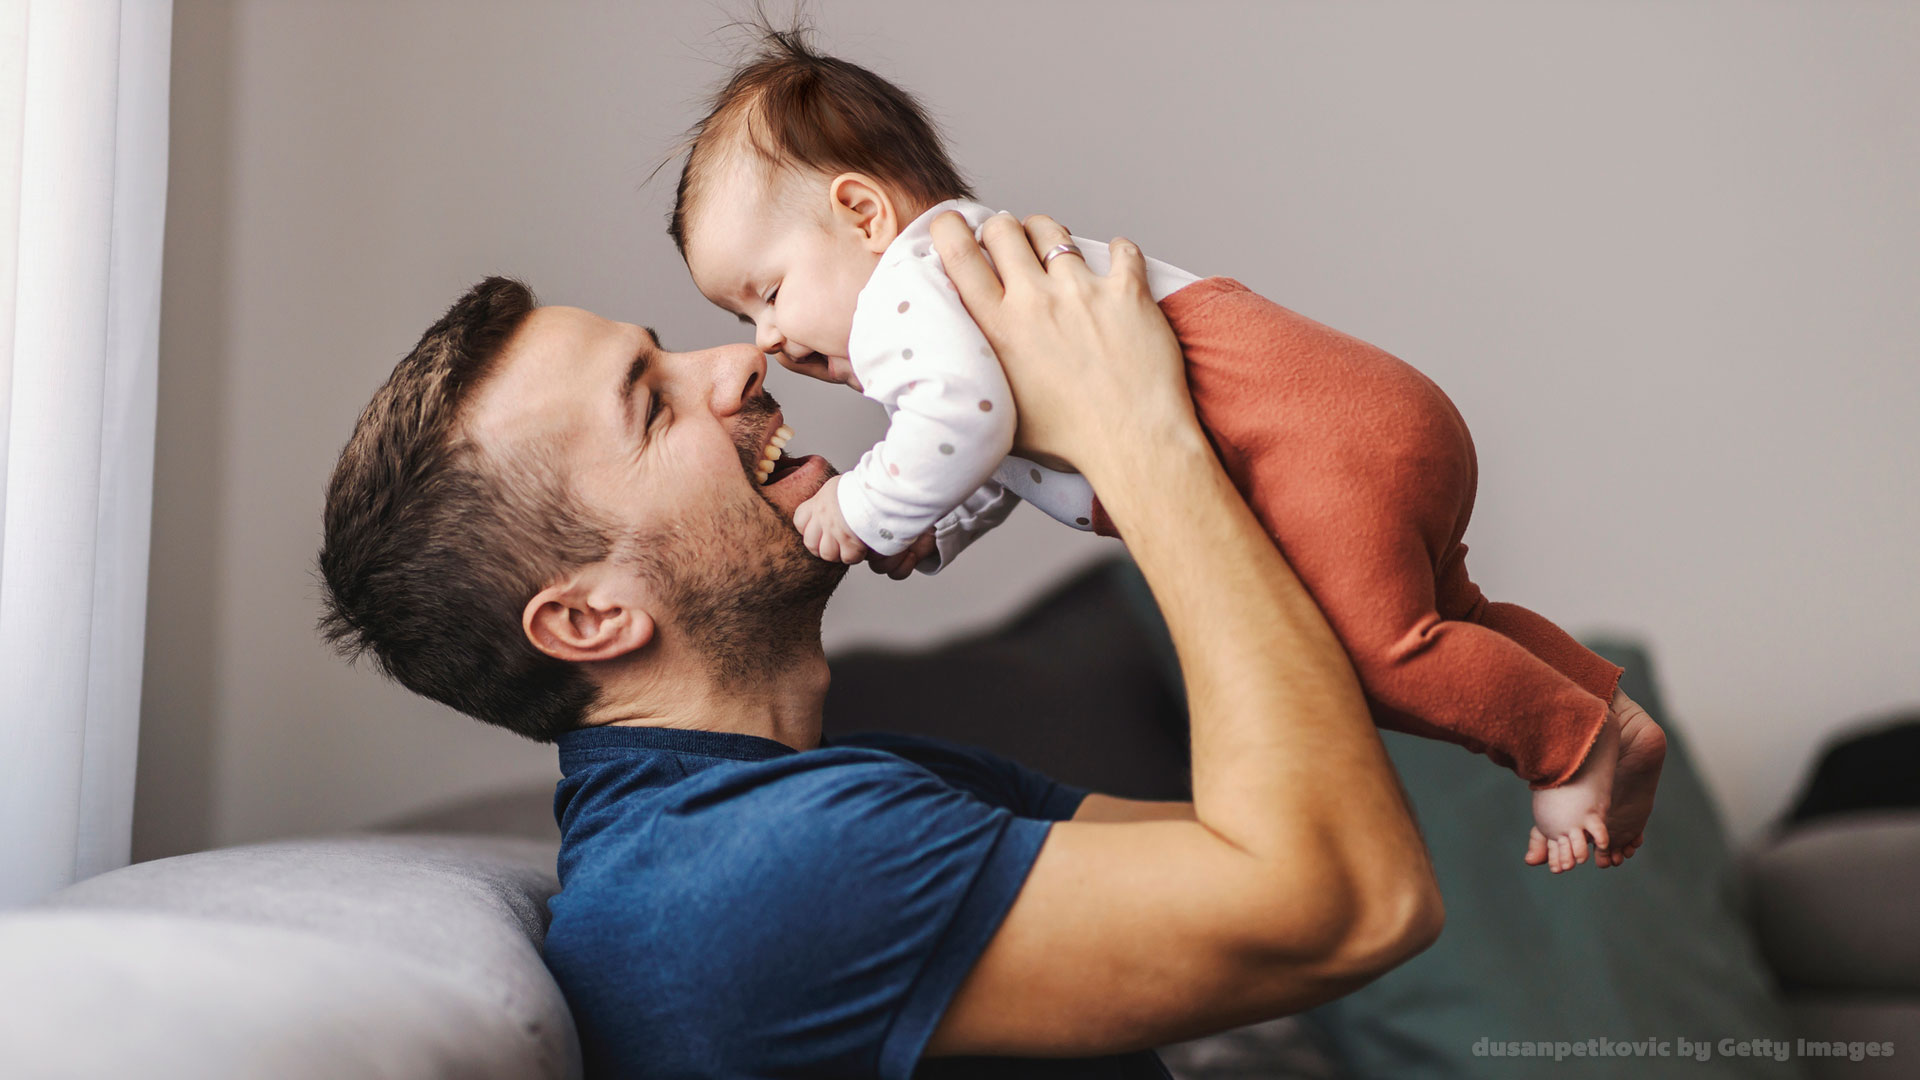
x,y
1098,807
1300,876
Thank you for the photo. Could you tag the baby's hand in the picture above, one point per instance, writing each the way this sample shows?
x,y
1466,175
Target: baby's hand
x,y
899,566
824,529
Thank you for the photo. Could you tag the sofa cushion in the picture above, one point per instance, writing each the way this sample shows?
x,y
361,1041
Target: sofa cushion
x,y
1833,903
1852,1038
359,955
1653,950
1072,686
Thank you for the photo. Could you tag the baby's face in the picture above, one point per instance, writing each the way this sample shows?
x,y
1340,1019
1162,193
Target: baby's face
x,y
791,272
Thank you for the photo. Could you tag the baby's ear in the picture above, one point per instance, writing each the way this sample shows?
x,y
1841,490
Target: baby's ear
x,y
858,202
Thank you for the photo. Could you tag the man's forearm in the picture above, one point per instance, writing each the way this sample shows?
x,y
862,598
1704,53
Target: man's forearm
x,y
1286,760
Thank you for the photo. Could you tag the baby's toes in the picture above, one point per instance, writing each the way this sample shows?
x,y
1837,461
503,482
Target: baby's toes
x,y
1536,847
1597,828
1578,839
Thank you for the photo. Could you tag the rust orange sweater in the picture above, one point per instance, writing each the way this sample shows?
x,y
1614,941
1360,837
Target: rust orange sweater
x,y
1363,473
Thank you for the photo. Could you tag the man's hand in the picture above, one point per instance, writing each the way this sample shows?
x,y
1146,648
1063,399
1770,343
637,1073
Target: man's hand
x,y
825,530
1094,367
899,566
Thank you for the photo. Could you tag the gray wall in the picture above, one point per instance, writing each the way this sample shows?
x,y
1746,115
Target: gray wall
x,y
1664,256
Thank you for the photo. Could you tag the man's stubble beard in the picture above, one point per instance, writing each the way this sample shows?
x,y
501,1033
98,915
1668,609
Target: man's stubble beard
x,y
751,609
741,584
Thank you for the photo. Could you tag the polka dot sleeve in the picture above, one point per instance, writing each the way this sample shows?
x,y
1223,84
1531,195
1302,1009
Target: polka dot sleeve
x,y
951,420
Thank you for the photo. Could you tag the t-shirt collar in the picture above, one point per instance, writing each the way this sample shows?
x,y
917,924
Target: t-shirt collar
x,y
727,744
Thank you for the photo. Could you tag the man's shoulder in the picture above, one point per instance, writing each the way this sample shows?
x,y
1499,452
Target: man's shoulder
x,y
902,745
815,908
988,776
838,789
729,846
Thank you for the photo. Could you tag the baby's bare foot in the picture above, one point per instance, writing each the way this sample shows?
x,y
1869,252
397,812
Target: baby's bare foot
x,y
1565,817
1643,748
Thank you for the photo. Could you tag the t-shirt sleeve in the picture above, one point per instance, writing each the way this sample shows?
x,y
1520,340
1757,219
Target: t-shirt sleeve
x,y
997,780
844,904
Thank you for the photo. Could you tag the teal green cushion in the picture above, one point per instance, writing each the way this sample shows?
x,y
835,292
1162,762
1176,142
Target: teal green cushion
x,y
1653,950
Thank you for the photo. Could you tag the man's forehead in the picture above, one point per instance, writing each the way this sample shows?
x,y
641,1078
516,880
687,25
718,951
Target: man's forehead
x,y
559,326
552,373
562,341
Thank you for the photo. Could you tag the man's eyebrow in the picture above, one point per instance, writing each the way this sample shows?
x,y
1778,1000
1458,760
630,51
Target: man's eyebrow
x,y
635,372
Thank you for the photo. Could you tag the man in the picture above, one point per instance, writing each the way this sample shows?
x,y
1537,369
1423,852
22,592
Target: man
x,y
550,522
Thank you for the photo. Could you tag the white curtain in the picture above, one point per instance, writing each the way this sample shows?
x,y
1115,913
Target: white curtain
x,y
83,176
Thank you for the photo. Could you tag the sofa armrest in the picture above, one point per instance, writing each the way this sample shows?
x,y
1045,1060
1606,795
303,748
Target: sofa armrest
x,y
1833,904
358,955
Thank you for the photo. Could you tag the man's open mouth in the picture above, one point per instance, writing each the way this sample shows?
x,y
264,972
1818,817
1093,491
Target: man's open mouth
x,y
774,464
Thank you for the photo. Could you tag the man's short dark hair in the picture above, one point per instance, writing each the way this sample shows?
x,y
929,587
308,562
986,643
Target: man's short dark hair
x,y
792,106
432,548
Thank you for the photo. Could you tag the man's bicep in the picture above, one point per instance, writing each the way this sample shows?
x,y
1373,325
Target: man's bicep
x,y
1098,807
1126,936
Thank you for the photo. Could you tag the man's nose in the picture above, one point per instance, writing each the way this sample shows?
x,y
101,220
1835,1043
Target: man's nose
x,y
739,373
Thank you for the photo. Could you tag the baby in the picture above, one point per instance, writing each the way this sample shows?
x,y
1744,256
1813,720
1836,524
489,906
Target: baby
x,y
805,208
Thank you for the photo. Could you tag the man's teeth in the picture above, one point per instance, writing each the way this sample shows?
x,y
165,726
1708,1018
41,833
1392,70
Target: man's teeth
x,y
775,447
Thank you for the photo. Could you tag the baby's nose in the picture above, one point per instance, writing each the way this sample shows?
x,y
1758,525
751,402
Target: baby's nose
x,y
768,340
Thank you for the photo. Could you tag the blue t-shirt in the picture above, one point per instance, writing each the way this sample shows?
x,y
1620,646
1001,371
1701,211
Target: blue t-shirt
x,y
733,907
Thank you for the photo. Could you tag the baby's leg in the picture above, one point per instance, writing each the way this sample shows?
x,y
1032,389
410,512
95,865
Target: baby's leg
x,y
1622,771
1462,681
1547,641
1364,475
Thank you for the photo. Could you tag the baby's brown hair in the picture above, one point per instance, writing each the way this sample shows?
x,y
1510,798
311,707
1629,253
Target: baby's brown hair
x,y
796,108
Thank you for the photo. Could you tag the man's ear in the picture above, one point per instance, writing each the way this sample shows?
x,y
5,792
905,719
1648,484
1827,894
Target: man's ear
x,y
596,613
856,201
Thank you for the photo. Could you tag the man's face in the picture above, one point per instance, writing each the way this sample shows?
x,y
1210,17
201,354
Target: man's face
x,y
664,446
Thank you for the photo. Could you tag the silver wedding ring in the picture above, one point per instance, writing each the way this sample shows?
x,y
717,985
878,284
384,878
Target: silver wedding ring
x,y
1056,251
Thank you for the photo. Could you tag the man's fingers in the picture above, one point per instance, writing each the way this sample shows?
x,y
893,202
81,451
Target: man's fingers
x,y
966,266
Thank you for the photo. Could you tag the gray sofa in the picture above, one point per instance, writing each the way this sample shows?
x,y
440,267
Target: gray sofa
x,y
1836,906
380,956
413,951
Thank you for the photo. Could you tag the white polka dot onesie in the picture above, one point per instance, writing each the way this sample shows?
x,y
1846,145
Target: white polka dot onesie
x,y
944,461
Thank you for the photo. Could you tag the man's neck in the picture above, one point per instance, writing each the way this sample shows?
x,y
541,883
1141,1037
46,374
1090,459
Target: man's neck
x,y
784,706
